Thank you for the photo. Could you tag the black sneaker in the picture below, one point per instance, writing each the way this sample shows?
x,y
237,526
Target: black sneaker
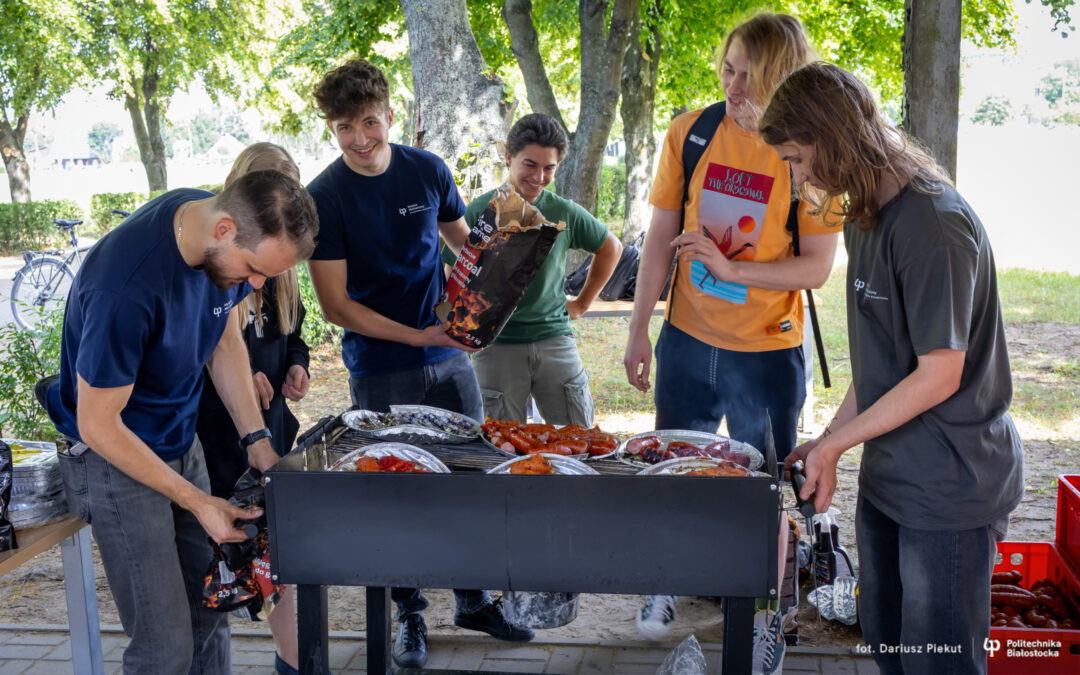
x,y
410,647
489,619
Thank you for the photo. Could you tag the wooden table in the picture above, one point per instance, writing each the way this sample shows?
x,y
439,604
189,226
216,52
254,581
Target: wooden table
x,y
74,539
602,308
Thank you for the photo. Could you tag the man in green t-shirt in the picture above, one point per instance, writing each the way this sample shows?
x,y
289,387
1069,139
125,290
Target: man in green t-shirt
x,y
535,354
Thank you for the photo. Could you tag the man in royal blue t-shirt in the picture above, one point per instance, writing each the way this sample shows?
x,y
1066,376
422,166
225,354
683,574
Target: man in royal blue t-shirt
x,y
150,307
377,273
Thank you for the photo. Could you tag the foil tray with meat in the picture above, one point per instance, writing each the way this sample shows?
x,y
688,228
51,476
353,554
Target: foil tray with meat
x,y
375,458
652,447
540,464
413,424
573,440
699,466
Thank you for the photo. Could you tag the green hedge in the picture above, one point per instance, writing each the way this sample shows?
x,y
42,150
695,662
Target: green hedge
x,y
29,226
25,357
317,330
611,198
102,219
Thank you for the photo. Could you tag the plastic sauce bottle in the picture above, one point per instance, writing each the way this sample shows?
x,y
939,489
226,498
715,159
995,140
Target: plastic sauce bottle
x,y
830,558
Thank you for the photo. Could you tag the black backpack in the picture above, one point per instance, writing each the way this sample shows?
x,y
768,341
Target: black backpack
x,y
697,139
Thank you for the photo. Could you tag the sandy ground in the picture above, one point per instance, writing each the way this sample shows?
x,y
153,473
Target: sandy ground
x,y
34,592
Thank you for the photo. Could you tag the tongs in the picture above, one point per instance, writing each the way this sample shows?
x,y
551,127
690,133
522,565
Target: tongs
x,y
806,508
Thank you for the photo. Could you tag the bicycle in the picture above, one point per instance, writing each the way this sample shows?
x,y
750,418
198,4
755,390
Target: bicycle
x,y
43,283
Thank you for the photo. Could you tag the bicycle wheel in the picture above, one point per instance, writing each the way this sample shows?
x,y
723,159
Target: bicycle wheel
x,y
42,285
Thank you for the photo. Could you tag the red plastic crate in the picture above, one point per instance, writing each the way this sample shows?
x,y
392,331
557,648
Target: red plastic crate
x,y
1037,560
1068,519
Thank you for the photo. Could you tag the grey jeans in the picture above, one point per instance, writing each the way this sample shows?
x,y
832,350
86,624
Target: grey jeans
x,y
549,370
156,556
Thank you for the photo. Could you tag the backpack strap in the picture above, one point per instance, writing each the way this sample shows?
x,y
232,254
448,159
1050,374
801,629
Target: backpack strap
x,y
793,227
697,139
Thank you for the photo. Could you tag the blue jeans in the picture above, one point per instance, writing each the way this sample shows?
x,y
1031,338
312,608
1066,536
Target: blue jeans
x,y
450,385
155,555
924,595
698,385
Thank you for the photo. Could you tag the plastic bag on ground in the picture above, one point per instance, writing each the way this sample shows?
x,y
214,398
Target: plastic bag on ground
x,y
838,601
540,609
686,659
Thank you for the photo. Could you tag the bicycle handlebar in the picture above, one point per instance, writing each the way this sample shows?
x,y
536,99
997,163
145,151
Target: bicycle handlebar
x,y
120,212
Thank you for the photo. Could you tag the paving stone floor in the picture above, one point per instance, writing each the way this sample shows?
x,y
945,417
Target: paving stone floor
x,y
48,651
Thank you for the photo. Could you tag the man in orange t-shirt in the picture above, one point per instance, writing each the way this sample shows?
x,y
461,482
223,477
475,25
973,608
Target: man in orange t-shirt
x,y
731,345
731,342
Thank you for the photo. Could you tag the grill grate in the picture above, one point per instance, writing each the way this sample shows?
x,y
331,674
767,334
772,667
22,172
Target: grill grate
x,y
474,456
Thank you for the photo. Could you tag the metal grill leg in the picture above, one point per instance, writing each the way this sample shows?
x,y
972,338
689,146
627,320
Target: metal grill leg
x,y
737,657
378,630
312,629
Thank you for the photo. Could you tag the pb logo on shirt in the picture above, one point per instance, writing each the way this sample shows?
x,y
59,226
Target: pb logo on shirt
x,y
223,309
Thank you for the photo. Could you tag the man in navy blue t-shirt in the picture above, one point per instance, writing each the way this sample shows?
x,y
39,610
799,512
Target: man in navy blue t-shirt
x,y
153,303
377,273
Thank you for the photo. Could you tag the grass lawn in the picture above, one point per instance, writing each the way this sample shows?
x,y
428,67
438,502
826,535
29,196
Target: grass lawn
x,y
1027,297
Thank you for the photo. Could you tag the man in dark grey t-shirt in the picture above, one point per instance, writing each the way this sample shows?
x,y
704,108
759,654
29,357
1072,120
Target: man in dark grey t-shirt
x,y
942,464
924,279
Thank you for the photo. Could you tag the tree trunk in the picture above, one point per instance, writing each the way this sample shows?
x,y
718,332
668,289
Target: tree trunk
x,y
145,114
931,52
526,46
602,53
637,108
460,112
11,147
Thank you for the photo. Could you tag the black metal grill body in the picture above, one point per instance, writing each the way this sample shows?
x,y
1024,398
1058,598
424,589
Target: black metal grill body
x,y
594,534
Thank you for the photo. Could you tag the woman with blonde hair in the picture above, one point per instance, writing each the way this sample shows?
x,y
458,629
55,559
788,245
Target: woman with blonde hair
x,y
942,463
271,321
731,344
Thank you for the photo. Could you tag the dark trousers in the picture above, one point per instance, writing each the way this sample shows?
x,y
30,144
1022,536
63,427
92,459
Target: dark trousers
x,y
450,385
698,385
924,595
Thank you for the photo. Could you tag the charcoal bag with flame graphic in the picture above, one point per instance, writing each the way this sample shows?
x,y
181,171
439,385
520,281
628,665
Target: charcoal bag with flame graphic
x,y
504,252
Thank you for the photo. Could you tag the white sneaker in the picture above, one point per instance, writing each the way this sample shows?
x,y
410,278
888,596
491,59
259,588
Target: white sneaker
x,y
654,619
769,643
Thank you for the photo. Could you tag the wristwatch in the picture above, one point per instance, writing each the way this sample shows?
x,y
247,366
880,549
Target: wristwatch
x,y
256,435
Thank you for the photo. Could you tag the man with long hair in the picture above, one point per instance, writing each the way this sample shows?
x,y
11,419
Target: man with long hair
x,y
942,463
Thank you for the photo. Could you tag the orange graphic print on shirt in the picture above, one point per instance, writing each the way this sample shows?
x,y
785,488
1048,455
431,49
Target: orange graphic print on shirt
x,y
731,213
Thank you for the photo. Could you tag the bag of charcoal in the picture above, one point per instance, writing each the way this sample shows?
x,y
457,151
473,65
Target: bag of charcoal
x,y
7,530
504,252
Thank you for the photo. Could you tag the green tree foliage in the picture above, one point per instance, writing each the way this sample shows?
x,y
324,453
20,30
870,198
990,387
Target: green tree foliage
x,y
150,49
993,111
1061,89
40,41
28,356
327,33
101,137
1059,12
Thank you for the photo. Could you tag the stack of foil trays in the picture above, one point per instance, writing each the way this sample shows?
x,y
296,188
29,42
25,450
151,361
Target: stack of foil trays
x,y
37,489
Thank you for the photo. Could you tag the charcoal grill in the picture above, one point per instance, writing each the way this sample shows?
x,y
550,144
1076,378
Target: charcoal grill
x,y
612,533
